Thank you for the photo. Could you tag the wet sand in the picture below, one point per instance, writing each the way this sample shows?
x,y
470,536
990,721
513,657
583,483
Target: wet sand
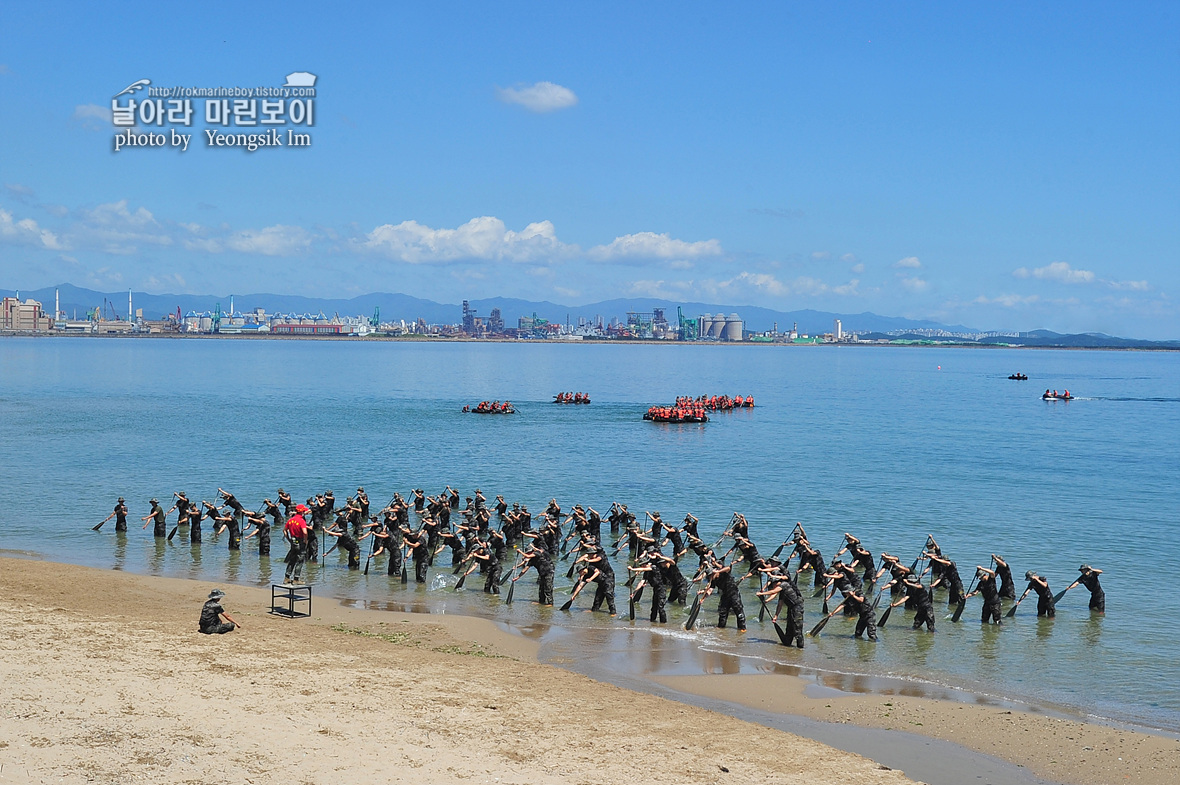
x,y
1053,748
106,679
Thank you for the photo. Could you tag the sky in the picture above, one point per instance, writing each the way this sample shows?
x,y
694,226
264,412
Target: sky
x,y
1008,166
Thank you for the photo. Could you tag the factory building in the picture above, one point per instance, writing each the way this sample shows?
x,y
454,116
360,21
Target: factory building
x,y
26,316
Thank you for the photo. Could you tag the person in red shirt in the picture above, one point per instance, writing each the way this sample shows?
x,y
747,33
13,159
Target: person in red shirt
x,y
295,533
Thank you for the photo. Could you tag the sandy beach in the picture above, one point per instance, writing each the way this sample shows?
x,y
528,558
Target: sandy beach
x,y
106,679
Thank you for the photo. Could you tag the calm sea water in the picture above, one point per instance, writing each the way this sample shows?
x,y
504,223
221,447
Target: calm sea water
x,y
890,444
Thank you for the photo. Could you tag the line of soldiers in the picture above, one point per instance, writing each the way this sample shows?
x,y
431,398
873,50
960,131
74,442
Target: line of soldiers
x,y
476,545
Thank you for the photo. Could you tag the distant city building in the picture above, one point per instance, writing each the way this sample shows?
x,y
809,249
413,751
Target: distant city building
x,y
26,316
308,329
496,321
838,331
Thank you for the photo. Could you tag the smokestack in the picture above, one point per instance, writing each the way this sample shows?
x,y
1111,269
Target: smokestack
x,y
56,304
129,311
231,305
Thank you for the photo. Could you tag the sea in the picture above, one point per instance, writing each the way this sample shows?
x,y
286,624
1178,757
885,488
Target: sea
x,y
891,444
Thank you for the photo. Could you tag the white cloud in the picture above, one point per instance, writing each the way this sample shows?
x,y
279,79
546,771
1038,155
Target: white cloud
x,y
667,290
92,116
277,240
762,282
1133,286
115,229
649,246
915,284
165,282
820,256
749,283
27,232
22,193
539,97
480,239
849,258
858,268
1007,300
848,289
910,262
1057,271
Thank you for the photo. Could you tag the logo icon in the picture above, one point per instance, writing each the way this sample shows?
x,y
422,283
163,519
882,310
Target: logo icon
x,y
300,79
134,87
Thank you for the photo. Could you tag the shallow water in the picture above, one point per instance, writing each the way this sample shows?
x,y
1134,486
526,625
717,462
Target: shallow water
x,y
881,442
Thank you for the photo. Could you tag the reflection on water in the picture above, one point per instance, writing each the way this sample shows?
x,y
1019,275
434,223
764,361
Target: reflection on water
x,y
159,551
120,550
1091,632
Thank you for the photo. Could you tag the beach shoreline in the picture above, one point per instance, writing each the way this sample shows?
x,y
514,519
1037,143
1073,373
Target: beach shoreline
x,y
1051,748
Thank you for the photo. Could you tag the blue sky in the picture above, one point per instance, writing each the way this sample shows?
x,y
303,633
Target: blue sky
x,y
1007,166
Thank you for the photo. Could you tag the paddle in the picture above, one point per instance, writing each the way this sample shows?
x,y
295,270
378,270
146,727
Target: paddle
x,y
782,636
1012,611
569,603
824,621
762,611
508,574
463,577
694,612
885,616
779,549
635,597
99,526
405,575
511,589
1057,597
963,602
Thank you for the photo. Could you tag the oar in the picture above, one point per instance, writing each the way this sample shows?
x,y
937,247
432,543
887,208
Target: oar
x,y
1057,597
762,610
779,549
511,589
569,603
369,559
405,575
694,612
463,578
635,597
823,622
885,616
508,574
963,602
1012,611
782,636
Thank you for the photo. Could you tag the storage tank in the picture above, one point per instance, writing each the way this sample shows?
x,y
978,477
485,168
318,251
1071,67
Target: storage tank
x,y
705,321
717,327
733,328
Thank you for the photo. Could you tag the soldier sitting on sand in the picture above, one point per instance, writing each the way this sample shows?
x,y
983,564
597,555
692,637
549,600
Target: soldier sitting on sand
x,y
214,619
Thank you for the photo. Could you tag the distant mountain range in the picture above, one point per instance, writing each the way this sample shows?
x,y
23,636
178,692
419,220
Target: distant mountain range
x,y
402,306
1044,339
393,307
